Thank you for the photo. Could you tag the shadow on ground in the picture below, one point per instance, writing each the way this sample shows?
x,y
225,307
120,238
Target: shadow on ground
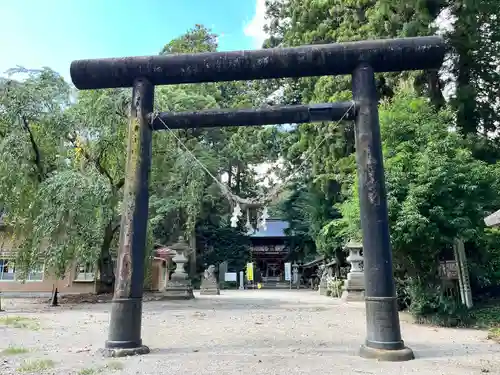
x,y
284,347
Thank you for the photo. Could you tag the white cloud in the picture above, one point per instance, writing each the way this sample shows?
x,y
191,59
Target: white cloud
x,y
255,28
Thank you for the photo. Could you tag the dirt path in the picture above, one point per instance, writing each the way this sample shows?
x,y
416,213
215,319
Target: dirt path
x,y
240,332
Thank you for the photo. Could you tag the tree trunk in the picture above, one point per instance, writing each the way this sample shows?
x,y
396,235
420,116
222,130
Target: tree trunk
x,y
230,176
435,89
238,179
467,118
106,269
193,255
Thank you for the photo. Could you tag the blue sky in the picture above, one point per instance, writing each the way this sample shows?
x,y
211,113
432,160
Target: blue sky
x,y
36,33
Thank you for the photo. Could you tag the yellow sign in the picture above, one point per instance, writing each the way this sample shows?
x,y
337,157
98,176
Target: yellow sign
x,y
250,271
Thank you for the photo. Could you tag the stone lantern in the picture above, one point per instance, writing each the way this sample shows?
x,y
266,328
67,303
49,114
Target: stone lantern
x,y
179,286
164,254
354,286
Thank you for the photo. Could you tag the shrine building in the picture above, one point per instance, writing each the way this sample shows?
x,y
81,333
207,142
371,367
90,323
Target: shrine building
x,y
269,252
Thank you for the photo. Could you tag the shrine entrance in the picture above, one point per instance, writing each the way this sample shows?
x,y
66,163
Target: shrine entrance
x,y
360,59
269,253
274,272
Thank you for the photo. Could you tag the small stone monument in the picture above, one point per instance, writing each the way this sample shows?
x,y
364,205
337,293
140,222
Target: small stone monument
x,y
179,286
354,286
323,273
223,267
326,279
242,280
209,284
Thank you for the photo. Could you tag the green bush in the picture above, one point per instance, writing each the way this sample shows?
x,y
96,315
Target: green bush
x,y
334,288
487,315
402,294
196,281
431,305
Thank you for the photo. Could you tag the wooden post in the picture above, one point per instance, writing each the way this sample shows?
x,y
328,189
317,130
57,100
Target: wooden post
x,y
463,273
383,339
126,308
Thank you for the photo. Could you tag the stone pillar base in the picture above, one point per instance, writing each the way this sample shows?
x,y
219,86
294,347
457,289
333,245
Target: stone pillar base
x,y
123,352
399,355
176,291
209,288
210,291
353,296
322,289
354,287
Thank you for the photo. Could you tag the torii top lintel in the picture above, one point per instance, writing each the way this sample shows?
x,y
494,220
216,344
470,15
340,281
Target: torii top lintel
x,y
384,55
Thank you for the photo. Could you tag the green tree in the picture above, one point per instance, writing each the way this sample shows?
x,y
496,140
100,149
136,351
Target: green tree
x,y
473,33
185,198
471,109
437,191
476,41
197,39
62,171
306,209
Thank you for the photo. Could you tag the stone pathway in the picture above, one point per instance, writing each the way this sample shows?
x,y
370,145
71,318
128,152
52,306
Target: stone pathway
x,y
239,332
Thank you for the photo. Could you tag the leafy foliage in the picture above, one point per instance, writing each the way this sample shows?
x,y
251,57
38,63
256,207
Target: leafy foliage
x,y
61,169
61,159
64,204
436,190
185,198
434,139
222,243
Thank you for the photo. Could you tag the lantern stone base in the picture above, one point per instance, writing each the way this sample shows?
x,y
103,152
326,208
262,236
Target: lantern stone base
x,y
209,288
354,287
210,291
176,290
209,285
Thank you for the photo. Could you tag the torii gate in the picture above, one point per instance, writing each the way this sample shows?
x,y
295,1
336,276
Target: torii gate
x,y
360,59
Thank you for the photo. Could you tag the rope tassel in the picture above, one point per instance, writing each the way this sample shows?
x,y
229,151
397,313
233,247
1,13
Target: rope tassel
x,y
236,216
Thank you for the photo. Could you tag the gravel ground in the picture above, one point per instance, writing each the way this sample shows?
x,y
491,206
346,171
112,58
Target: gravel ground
x,y
239,332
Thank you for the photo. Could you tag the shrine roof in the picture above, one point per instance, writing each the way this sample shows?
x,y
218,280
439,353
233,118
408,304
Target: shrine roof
x,y
275,228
